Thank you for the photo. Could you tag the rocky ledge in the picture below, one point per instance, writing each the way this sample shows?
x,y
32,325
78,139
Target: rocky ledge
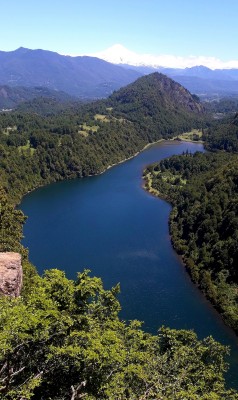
x,y
11,275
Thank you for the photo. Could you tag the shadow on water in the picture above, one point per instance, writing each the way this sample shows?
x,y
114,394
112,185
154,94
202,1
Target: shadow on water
x,y
109,224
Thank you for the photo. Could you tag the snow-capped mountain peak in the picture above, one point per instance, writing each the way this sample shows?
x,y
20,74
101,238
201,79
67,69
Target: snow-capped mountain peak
x,y
118,54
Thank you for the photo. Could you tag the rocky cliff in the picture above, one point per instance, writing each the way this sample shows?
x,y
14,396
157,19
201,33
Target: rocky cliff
x,y
11,275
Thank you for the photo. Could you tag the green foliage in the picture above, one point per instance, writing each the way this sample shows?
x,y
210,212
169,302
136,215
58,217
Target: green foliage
x,y
225,105
42,143
223,135
204,225
11,222
54,149
158,105
64,340
32,97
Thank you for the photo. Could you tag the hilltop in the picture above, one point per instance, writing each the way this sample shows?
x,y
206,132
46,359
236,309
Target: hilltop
x,y
157,104
160,90
84,139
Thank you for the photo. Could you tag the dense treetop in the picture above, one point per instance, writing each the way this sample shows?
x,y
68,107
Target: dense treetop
x,y
224,135
12,96
62,339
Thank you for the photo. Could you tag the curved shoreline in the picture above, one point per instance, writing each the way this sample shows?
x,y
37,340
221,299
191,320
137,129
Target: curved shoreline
x,y
176,138
134,155
111,165
96,174
155,193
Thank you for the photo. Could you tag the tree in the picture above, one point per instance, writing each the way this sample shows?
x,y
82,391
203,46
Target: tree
x,y
63,339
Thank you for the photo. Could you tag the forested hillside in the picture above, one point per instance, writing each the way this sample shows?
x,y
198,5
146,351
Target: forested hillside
x,y
156,102
84,140
11,97
203,189
224,135
63,339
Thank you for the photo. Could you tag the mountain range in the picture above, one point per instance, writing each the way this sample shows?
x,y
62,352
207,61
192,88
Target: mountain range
x,y
90,78
199,79
118,54
203,81
84,77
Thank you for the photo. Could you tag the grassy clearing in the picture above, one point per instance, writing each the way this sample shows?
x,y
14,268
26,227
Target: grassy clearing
x,y
101,117
173,179
121,120
86,129
168,179
108,118
194,135
9,129
83,133
26,148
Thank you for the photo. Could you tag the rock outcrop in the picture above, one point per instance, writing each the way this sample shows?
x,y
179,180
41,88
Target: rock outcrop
x,y
11,275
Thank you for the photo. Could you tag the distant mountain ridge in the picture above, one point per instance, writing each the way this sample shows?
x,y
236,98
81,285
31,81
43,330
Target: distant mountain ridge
x,y
93,78
118,54
84,77
200,80
11,97
207,81
200,71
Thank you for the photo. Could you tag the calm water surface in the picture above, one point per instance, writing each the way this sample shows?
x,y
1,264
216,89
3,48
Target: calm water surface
x,y
109,224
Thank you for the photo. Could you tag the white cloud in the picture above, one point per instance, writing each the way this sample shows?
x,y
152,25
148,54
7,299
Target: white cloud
x,y
118,54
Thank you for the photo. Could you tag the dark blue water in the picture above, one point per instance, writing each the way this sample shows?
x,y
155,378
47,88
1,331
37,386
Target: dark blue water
x,y
110,225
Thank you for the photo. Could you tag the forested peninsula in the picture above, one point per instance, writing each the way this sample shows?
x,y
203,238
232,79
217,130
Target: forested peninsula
x,y
63,339
203,189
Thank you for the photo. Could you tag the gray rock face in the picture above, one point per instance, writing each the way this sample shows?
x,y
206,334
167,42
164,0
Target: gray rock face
x,y
11,275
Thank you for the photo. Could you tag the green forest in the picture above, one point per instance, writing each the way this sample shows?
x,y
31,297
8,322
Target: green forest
x,y
63,339
203,189
44,142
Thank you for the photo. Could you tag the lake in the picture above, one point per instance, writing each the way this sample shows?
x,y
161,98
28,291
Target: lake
x,y
111,225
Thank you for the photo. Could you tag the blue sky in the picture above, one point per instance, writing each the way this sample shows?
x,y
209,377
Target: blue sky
x,y
183,28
